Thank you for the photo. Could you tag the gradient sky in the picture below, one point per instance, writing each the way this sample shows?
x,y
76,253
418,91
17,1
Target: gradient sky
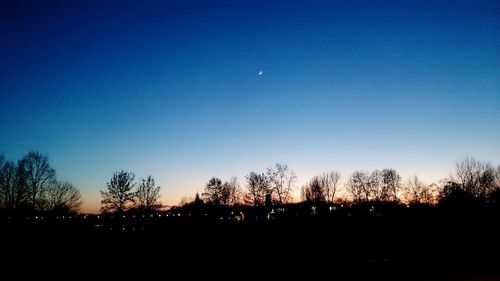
x,y
171,89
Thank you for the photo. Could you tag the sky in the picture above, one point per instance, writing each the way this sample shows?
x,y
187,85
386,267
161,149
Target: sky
x,y
172,88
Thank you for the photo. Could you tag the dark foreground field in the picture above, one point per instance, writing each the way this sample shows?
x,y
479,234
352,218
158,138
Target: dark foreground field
x,y
429,247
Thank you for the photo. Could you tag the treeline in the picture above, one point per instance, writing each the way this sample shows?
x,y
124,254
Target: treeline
x,y
474,182
30,186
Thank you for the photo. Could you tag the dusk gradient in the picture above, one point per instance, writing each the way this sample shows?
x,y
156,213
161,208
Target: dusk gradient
x,y
172,88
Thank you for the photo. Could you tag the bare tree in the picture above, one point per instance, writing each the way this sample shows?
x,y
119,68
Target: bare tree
x,y
213,193
13,191
321,188
390,185
358,186
487,181
185,200
331,182
374,186
468,173
380,186
119,194
218,193
37,176
148,195
258,187
234,190
383,185
475,177
314,191
416,191
63,198
31,185
281,180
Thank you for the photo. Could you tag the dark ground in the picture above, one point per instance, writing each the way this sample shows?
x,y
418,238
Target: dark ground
x,y
425,247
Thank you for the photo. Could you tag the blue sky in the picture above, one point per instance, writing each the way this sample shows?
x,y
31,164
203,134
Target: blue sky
x,y
171,89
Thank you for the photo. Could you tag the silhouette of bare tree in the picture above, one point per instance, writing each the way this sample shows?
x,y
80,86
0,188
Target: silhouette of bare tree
x,y
314,191
417,192
37,176
234,191
63,197
148,195
281,180
475,177
358,186
13,192
258,187
216,193
118,195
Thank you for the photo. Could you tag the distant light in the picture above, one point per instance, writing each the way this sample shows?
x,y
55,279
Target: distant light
x,y
98,217
123,229
63,217
36,217
123,216
159,215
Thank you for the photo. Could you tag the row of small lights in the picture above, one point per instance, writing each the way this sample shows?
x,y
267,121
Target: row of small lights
x,y
159,215
98,217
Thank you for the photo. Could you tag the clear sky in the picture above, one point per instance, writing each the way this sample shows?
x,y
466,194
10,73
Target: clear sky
x,y
171,88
